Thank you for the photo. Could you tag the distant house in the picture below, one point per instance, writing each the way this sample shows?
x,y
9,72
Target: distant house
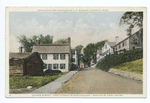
x,y
99,55
134,41
81,64
55,56
25,64
108,48
92,62
74,56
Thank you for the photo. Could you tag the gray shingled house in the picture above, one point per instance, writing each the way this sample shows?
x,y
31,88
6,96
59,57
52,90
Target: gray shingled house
x,y
133,41
25,64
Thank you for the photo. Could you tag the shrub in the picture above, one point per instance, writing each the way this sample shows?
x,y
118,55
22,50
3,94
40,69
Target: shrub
x,y
73,66
53,71
115,59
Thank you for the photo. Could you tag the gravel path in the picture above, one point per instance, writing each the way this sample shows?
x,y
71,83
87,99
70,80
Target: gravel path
x,y
93,81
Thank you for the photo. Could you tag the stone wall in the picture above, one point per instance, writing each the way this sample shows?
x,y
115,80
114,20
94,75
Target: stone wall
x,y
127,74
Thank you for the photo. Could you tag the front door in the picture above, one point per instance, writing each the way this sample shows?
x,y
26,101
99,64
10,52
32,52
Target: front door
x,y
50,66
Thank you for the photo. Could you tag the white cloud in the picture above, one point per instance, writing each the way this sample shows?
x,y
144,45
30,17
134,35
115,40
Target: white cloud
x,y
13,44
80,32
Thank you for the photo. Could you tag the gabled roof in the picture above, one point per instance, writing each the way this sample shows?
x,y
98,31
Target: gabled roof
x,y
24,56
111,43
99,51
52,48
19,55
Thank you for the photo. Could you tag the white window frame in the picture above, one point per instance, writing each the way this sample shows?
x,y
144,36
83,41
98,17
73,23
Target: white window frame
x,y
45,56
62,55
54,66
48,66
64,66
54,56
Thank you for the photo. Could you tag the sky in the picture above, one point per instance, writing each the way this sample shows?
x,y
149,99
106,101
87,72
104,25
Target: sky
x,y
82,27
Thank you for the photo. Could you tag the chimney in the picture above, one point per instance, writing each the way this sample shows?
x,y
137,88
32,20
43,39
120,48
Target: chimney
x,y
117,39
69,40
37,41
20,49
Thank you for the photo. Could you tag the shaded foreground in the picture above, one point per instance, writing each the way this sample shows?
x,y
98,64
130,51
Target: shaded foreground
x,y
92,81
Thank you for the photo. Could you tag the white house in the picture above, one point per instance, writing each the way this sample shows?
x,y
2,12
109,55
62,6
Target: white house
x,y
108,48
55,56
99,55
133,41
74,56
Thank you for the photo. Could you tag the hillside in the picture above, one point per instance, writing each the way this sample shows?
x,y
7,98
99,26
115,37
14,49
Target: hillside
x,y
133,66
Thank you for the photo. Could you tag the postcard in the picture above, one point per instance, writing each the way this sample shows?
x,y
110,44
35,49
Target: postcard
x,y
78,51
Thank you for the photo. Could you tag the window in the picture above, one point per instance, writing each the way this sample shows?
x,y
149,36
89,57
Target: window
x,y
105,46
55,56
136,41
73,60
119,46
55,66
113,49
45,66
73,52
44,56
50,66
123,44
62,66
62,56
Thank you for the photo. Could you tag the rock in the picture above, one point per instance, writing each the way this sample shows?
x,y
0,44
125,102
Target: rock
x,y
29,87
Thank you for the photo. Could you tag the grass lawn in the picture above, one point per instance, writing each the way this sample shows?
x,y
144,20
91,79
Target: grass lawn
x,y
133,66
16,82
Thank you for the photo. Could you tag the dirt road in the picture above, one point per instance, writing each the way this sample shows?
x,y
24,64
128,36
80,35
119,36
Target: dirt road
x,y
93,81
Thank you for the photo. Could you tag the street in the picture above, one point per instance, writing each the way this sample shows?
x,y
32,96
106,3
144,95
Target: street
x,y
94,81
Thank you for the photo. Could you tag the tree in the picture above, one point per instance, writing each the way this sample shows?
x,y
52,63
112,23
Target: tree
x,y
79,48
132,19
61,41
89,53
29,42
100,44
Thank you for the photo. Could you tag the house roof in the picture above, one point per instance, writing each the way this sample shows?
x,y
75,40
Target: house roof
x,y
73,49
99,51
128,37
111,43
19,55
52,48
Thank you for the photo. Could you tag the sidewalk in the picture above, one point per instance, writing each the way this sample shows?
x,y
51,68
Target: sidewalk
x,y
52,87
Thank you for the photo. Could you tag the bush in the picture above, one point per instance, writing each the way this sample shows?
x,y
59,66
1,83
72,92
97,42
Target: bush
x,y
53,71
115,59
73,66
